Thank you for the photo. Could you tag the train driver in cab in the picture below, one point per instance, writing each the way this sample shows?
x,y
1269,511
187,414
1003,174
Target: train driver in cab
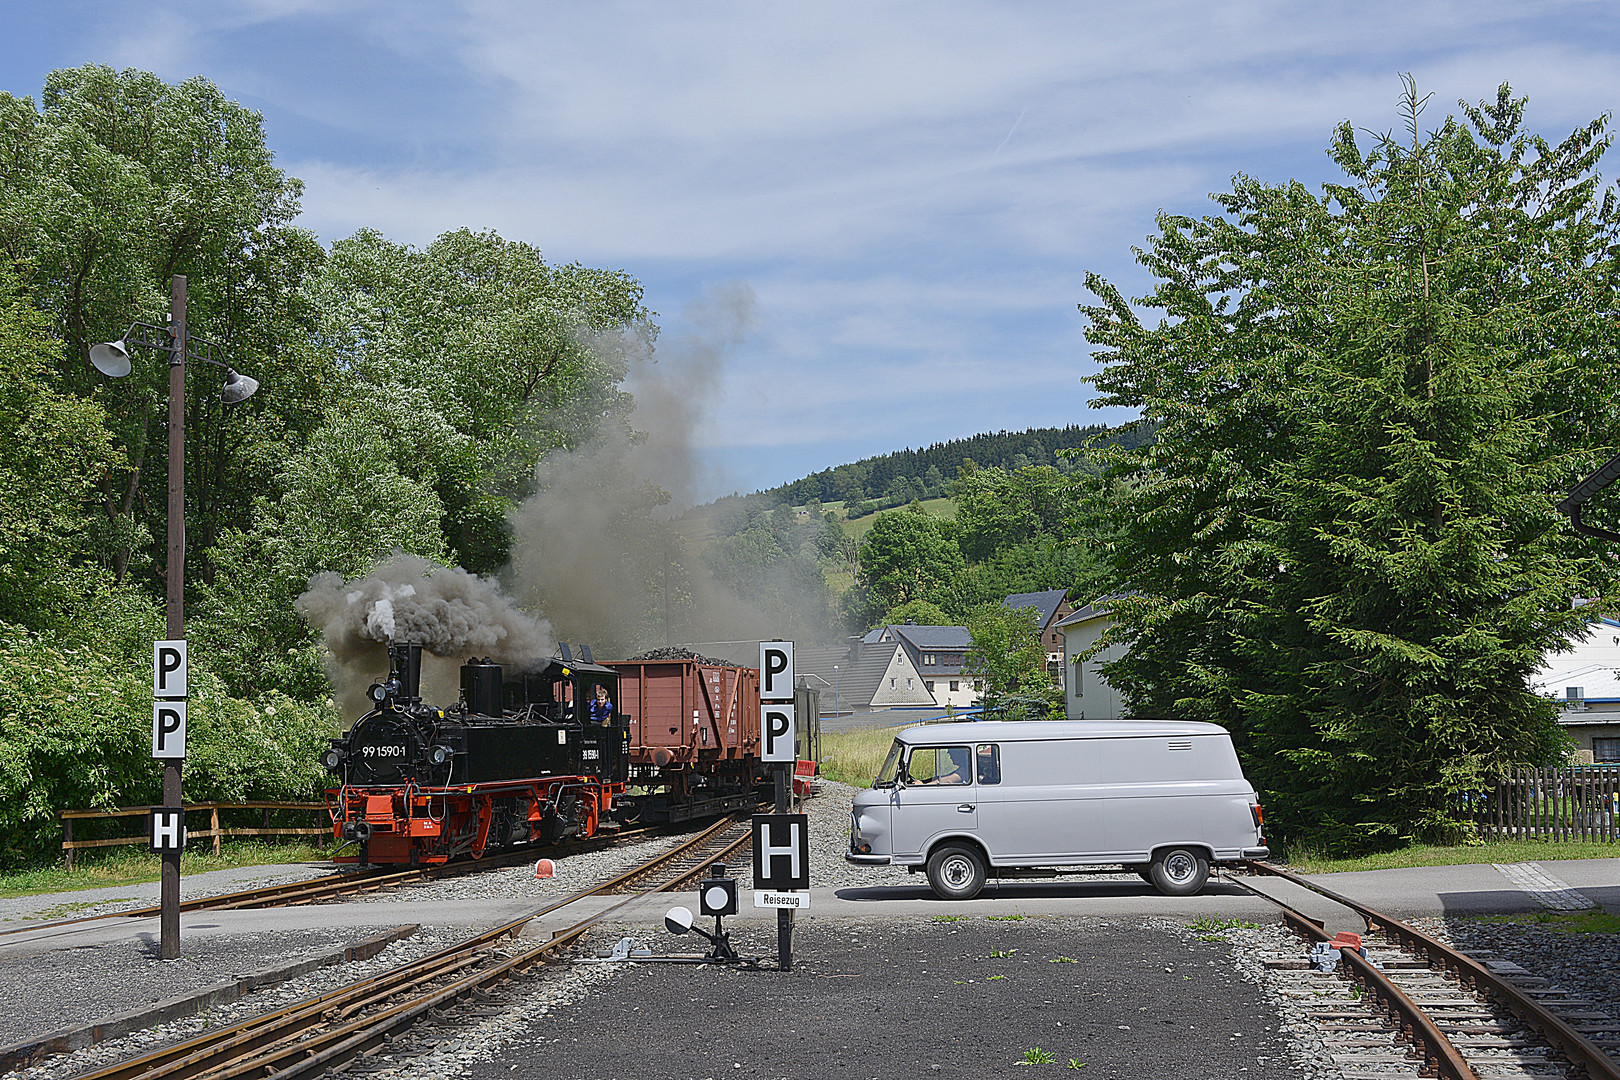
x,y
602,707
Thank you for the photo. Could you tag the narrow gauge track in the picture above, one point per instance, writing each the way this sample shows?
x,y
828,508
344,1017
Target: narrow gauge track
x,y
348,883
331,1030
1462,1020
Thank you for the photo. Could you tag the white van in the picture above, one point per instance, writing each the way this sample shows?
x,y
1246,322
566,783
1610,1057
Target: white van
x,y
967,800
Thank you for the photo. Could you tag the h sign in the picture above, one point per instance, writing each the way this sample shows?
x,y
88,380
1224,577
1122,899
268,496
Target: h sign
x,y
776,671
168,729
781,738
168,829
781,852
169,669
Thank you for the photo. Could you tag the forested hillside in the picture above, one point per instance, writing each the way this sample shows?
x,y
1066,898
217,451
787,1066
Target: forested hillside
x,y
897,478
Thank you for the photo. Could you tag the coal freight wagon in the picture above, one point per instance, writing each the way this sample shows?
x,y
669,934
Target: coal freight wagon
x,y
694,737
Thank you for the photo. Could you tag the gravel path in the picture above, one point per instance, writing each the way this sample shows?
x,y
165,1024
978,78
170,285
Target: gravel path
x,y
426,940
90,982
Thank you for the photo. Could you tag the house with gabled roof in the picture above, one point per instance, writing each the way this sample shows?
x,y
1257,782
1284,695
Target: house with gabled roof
x,y
862,676
938,653
1086,692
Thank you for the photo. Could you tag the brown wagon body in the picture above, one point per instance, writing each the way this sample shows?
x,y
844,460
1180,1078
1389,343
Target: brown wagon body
x,y
687,713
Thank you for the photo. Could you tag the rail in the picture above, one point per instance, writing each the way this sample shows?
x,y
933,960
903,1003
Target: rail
x,y
1441,1057
213,832
324,1032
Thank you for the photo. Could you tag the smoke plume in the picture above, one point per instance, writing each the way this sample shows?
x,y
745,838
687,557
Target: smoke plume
x,y
452,614
596,549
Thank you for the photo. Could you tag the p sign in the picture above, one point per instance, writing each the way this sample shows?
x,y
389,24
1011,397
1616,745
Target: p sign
x,y
168,729
781,739
776,671
169,669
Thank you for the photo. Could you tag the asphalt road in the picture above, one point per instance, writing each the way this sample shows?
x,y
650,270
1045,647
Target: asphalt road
x,y
908,997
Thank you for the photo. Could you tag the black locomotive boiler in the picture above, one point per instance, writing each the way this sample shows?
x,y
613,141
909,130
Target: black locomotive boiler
x,y
516,758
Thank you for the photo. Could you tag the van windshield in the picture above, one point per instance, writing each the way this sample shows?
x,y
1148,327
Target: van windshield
x,y
885,776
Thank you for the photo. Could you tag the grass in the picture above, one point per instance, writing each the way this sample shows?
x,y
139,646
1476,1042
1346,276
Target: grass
x,y
854,757
1495,851
1592,921
1208,924
132,866
937,508
1037,1056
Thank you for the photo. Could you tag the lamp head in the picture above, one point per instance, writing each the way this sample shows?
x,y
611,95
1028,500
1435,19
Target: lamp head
x,y
237,387
111,358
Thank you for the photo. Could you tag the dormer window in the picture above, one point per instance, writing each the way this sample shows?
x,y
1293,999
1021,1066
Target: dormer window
x,y
928,659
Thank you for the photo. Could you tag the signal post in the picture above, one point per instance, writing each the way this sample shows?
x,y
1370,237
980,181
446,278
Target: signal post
x,y
781,840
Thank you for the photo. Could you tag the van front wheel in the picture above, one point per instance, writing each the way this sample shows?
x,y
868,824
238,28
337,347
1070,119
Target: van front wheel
x,y
956,873
1179,871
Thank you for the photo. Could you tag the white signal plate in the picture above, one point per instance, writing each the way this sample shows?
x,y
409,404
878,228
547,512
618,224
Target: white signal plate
x,y
765,899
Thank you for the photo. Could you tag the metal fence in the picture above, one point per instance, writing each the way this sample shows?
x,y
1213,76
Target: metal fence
x,y
214,830
1566,802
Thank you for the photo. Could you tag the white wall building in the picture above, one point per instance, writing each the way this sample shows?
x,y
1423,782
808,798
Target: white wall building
x,y
1585,680
1087,695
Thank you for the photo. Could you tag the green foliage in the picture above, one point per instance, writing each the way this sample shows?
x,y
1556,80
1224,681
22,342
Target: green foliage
x,y
53,449
921,612
925,473
908,556
1343,539
1035,1055
1008,655
996,510
75,732
116,182
345,506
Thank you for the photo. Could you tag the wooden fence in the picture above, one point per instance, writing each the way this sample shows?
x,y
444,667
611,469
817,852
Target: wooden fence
x,y
1567,802
214,831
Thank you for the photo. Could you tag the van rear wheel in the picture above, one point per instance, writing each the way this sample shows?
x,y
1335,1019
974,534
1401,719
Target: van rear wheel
x,y
956,872
1179,871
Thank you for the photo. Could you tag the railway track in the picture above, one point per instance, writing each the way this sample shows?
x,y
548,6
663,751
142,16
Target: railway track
x,y
358,1021
1415,1006
346,883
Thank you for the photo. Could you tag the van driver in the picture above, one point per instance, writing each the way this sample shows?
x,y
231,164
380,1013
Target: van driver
x,y
956,757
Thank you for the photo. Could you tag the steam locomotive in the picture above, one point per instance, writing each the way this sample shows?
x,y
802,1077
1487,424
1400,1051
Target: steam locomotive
x,y
519,758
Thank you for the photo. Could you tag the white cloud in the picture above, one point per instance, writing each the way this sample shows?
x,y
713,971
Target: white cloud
x,y
913,190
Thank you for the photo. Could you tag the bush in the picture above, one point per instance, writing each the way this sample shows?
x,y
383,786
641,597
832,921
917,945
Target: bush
x,y
75,733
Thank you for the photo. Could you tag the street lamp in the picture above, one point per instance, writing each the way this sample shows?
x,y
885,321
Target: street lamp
x,y
112,359
836,712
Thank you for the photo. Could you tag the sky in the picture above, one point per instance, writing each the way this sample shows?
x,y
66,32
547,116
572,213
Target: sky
x,y
912,193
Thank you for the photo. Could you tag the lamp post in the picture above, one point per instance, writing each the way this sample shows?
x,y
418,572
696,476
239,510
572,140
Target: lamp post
x,y
112,359
836,712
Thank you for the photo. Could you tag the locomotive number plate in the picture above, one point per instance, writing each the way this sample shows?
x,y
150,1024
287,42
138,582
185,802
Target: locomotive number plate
x,y
590,755
387,750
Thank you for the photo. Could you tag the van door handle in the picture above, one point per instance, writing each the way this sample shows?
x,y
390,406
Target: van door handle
x,y
965,808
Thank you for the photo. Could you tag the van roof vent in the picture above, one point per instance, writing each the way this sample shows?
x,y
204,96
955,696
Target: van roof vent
x,y
1181,744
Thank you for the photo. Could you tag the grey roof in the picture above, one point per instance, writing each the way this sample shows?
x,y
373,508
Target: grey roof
x,y
857,682
1097,607
935,637
1043,602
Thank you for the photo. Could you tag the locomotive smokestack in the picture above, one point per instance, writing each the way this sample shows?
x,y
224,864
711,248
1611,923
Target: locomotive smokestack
x,y
405,665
